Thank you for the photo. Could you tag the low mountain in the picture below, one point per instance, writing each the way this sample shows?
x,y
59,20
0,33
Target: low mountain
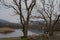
x,y
3,21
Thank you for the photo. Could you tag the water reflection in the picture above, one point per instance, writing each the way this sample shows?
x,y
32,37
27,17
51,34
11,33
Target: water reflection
x,y
16,33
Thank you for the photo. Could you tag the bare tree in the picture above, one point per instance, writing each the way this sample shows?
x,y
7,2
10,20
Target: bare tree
x,y
48,12
24,21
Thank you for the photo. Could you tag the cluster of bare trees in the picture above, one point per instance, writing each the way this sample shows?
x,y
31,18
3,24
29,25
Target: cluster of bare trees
x,y
47,11
24,21
48,14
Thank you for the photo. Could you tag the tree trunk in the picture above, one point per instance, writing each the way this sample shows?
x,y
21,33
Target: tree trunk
x,y
25,29
51,31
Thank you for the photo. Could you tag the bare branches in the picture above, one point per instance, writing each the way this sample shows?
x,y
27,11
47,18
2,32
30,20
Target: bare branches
x,y
47,8
26,5
15,2
56,21
48,12
17,6
32,5
21,15
29,9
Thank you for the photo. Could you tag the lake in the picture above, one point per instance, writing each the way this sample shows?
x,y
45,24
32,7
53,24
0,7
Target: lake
x,y
18,33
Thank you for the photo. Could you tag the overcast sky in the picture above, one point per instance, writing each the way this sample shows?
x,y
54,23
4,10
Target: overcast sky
x,y
6,14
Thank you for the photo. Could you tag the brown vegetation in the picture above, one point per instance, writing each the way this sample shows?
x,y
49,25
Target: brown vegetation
x,y
6,30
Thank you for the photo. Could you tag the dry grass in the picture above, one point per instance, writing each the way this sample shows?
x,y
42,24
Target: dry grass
x,y
6,30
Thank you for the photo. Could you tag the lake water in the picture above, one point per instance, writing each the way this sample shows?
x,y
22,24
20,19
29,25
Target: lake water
x,y
18,33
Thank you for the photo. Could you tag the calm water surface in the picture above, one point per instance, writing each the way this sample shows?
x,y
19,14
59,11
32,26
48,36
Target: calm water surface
x,y
17,33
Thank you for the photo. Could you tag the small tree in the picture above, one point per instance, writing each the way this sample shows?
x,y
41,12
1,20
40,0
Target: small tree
x,y
47,10
18,10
